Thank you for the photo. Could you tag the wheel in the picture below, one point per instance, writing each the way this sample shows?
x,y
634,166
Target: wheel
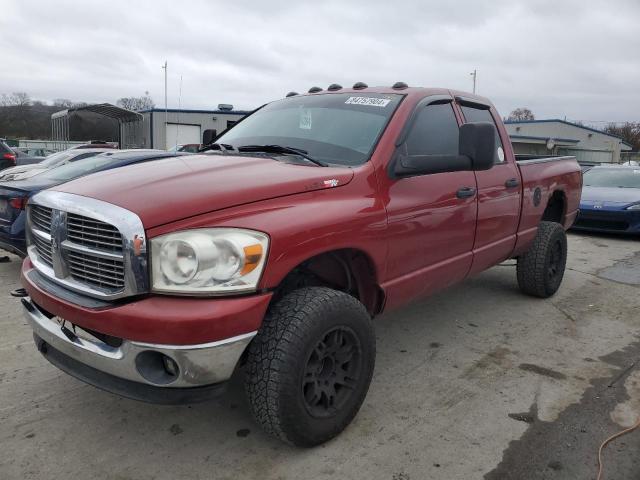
x,y
310,365
541,268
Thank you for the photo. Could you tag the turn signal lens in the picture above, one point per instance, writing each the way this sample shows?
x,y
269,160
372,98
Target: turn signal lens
x,y
252,257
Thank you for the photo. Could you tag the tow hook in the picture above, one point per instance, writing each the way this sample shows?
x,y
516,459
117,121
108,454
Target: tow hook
x,y
19,293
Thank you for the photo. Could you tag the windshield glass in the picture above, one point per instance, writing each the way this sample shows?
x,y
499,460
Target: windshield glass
x,y
75,169
339,129
613,177
56,158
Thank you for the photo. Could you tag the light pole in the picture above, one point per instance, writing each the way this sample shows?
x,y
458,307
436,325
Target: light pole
x,y
166,120
474,74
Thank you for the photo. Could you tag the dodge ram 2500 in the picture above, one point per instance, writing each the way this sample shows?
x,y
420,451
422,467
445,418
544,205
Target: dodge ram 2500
x,y
271,253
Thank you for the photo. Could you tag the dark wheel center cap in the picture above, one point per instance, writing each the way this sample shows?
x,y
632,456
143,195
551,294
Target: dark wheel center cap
x,y
332,372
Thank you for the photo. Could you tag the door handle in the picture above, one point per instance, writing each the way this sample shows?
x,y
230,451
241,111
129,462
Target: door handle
x,y
466,192
512,183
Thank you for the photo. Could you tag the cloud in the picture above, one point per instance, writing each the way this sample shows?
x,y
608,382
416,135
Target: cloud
x,y
559,58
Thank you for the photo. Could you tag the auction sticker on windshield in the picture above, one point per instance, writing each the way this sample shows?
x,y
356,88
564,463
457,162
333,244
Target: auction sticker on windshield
x,y
305,119
368,101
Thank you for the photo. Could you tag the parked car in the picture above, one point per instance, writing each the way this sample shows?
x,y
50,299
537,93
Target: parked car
x,y
312,215
52,161
7,156
610,200
188,147
95,144
24,158
36,151
15,194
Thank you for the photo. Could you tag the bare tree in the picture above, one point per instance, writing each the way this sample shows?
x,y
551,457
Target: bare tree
x,y
63,103
629,131
15,99
520,114
136,104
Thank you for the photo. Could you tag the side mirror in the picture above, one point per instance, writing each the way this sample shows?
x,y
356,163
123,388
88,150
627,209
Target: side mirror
x,y
478,142
208,136
412,165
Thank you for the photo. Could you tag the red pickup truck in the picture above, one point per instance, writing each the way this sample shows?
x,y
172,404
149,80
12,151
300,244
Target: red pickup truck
x,y
272,252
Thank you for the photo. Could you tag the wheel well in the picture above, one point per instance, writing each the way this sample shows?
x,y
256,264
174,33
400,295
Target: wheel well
x,y
555,210
347,270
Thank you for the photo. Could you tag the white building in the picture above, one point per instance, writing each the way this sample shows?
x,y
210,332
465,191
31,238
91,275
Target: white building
x,y
559,137
180,127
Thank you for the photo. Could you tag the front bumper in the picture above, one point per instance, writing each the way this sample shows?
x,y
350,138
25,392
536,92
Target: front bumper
x,y
18,247
608,220
136,362
155,348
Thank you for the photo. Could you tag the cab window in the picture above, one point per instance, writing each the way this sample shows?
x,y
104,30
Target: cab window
x,y
472,115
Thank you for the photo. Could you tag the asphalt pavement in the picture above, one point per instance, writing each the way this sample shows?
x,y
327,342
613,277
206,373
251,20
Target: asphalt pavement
x,y
476,382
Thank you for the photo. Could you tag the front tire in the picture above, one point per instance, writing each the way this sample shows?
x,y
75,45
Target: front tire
x,y
540,270
310,366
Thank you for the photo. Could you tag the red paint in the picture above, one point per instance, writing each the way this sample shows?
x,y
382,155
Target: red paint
x,y
418,236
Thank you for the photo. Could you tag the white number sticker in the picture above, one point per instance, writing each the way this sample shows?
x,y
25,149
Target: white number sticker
x,y
368,101
305,119
500,154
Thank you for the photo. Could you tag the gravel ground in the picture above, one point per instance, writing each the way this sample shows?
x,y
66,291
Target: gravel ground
x,y
478,381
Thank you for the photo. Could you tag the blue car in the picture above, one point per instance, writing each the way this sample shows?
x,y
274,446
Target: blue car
x,y
610,200
15,194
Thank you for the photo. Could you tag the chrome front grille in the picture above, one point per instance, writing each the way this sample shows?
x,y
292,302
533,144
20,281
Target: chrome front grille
x,y
87,245
100,272
43,247
41,218
93,233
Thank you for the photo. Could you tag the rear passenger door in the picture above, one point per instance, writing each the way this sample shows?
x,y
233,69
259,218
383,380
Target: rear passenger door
x,y
499,195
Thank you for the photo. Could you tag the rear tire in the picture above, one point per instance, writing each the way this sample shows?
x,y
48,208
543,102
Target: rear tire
x,y
310,366
541,268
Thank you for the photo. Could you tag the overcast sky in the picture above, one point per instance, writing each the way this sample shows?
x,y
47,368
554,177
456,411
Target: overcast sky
x,y
579,59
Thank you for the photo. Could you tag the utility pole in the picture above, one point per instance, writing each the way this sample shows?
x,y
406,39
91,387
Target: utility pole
x,y
474,74
166,120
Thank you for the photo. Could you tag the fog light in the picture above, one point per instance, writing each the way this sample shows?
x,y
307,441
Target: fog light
x,y
157,368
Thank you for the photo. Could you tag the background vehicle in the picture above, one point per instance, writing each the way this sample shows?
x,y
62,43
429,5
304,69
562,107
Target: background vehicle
x,y
15,194
7,156
316,213
610,200
36,151
189,147
95,144
52,161
24,158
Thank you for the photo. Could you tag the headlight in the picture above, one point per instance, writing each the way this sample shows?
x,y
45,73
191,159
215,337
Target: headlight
x,y
208,261
634,207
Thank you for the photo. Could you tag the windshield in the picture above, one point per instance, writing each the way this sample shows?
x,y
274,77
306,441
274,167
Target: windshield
x,y
76,169
56,158
612,177
339,129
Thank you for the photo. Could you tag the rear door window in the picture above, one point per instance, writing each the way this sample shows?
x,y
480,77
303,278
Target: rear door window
x,y
472,115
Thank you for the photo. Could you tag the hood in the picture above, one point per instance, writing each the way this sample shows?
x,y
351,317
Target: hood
x,y
10,173
610,195
171,189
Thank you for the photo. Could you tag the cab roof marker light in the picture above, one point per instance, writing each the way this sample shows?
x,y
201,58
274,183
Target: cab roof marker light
x,y
291,94
360,86
334,87
315,90
400,86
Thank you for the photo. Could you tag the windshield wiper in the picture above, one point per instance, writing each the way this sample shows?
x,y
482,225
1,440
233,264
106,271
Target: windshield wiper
x,y
223,147
284,150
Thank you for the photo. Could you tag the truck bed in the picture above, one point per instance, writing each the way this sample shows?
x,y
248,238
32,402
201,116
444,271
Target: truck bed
x,y
541,177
